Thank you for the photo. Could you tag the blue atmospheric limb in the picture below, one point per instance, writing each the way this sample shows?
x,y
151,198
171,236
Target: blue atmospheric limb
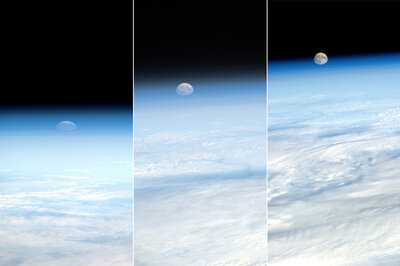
x,y
102,145
371,76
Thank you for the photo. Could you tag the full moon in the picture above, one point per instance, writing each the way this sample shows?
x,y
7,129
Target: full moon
x,y
184,89
66,126
320,59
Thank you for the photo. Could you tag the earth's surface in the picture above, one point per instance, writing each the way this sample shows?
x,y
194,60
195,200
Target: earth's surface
x,y
66,196
334,156
200,186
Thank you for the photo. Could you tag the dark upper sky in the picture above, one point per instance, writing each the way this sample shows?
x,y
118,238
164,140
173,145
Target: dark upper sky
x,y
203,38
80,52
69,53
303,28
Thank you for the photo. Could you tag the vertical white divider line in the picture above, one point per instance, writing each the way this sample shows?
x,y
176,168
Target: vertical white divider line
x,y
133,132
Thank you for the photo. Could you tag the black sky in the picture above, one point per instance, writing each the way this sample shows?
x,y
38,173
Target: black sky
x,y
203,38
303,28
79,53
69,53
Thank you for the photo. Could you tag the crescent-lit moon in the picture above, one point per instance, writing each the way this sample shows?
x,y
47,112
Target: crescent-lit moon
x,y
66,126
184,89
320,59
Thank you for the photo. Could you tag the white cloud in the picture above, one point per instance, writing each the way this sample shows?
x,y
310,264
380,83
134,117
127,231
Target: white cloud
x,y
319,96
63,223
200,153
80,170
334,186
200,197
66,176
211,222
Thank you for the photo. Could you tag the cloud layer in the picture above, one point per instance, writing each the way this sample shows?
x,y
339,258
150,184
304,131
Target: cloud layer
x,y
65,200
334,187
68,223
200,186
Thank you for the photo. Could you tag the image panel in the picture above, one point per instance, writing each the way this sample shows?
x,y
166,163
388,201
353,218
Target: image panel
x,y
66,137
200,133
334,142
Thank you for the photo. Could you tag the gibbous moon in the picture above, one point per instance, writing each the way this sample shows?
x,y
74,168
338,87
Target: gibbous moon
x,y
320,59
184,89
66,126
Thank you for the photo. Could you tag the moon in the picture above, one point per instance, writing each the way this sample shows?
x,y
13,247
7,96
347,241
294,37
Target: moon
x,y
184,89
320,59
66,126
